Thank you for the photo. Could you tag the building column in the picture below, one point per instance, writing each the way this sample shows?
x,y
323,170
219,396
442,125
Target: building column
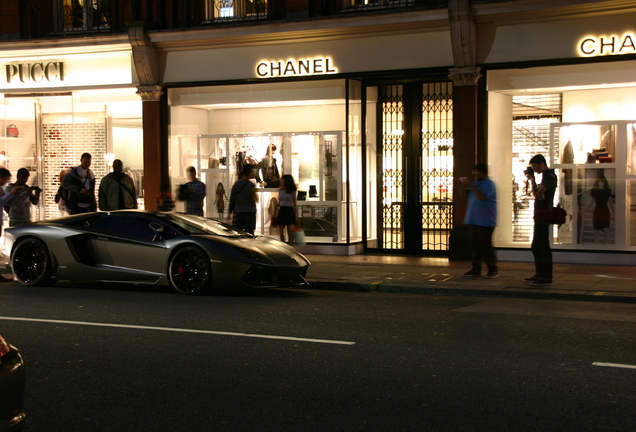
x,y
465,151
155,158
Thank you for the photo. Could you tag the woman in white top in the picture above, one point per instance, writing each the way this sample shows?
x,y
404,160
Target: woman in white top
x,y
287,208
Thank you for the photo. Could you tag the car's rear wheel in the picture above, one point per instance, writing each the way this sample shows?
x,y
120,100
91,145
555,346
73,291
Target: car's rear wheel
x,y
190,271
31,262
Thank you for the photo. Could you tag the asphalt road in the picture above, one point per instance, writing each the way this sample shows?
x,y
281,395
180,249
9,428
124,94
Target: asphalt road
x,y
104,358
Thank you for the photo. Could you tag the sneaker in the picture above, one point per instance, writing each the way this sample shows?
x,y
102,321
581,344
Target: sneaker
x,y
492,274
531,279
472,273
541,282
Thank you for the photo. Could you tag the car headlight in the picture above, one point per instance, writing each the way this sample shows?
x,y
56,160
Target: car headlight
x,y
301,260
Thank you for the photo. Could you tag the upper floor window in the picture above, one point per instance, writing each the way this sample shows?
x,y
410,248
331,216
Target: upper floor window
x,y
220,9
376,4
80,15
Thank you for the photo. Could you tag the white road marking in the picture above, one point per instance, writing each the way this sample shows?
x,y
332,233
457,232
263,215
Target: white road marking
x,y
179,330
616,365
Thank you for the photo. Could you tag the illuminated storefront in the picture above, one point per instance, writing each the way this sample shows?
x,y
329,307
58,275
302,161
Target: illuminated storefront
x,y
305,136
582,117
57,103
300,107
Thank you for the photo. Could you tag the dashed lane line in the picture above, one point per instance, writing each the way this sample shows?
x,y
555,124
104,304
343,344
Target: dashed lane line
x,y
615,365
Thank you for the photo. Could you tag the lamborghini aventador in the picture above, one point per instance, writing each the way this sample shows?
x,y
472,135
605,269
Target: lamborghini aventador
x,y
190,253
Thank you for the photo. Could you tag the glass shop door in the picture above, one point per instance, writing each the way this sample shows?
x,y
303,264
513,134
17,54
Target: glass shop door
x,y
414,167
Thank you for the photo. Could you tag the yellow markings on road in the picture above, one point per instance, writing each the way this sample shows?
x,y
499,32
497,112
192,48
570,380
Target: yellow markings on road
x,y
599,293
374,285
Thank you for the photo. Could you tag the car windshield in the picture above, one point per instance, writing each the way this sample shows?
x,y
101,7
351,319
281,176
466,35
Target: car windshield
x,y
200,225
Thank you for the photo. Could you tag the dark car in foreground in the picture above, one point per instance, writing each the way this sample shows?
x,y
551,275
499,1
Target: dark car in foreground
x,y
190,253
12,387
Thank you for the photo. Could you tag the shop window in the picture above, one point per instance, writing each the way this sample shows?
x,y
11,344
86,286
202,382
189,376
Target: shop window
x,y
47,135
285,128
82,15
590,183
532,117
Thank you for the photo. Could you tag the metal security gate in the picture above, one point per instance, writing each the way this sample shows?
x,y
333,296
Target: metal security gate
x,y
415,166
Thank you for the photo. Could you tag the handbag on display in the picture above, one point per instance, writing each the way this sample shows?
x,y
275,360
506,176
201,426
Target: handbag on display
x,y
12,131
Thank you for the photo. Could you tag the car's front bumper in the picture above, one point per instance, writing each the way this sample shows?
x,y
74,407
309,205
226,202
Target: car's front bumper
x,y
275,277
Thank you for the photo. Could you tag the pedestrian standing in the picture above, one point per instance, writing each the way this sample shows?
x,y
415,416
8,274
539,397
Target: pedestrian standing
x,y
5,178
481,218
61,197
543,201
195,193
117,190
287,208
20,208
243,195
80,182
5,200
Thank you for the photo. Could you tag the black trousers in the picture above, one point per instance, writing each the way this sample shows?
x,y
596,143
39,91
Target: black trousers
x,y
541,250
480,239
80,210
246,222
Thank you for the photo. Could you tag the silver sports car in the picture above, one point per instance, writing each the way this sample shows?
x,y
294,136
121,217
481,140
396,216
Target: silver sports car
x,y
190,253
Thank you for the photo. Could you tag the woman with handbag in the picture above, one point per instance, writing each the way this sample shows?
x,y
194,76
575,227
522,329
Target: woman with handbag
x,y
287,208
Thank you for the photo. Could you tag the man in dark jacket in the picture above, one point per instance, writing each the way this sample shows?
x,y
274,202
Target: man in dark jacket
x,y
117,190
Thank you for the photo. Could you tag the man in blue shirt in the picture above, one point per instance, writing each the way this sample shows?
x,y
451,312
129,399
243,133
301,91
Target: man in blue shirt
x,y
481,218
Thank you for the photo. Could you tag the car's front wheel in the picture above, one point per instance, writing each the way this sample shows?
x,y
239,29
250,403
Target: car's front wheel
x,y
190,271
31,262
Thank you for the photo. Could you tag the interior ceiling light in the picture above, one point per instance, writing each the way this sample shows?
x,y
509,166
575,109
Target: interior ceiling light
x,y
268,104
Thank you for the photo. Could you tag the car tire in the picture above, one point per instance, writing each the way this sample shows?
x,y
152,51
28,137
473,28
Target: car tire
x,y
190,271
31,262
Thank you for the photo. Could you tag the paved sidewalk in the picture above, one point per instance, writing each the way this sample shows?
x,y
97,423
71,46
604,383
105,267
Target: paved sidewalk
x,y
438,276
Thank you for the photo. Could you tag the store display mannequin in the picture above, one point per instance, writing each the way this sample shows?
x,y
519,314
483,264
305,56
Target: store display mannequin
x,y
601,199
220,199
270,168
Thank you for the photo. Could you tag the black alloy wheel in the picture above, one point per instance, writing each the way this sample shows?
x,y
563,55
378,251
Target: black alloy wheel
x,y
190,271
31,262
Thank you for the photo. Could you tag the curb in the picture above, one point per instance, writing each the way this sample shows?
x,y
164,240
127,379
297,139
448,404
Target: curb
x,y
471,291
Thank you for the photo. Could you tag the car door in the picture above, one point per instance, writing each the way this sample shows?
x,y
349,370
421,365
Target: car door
x,y
125,248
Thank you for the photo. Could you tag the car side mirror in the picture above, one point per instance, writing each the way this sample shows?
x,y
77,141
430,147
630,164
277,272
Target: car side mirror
x,y
158,230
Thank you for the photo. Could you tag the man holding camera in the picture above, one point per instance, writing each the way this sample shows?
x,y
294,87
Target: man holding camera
x,y
20,209
543,201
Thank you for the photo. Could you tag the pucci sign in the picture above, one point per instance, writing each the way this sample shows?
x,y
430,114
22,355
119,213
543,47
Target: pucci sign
x,y
295,67
35,72
74,70
593,46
